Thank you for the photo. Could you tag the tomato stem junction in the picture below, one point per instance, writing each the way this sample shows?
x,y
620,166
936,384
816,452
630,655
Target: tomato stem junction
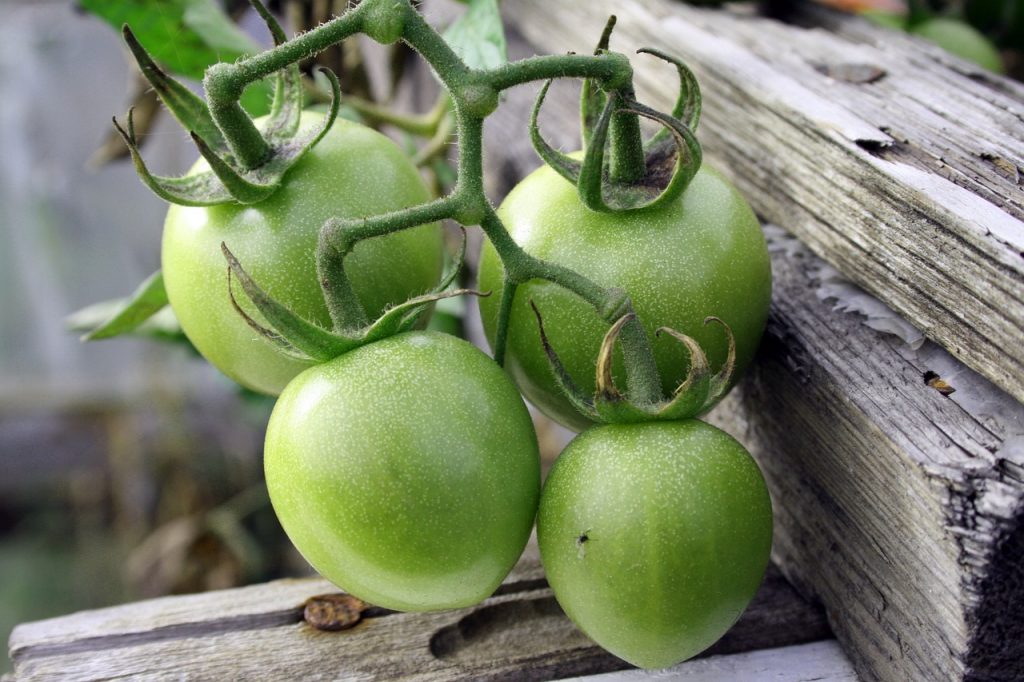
x,y
236,145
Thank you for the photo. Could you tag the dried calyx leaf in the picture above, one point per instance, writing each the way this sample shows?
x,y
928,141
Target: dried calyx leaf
x,y
301,339
695,394
671,157
228,180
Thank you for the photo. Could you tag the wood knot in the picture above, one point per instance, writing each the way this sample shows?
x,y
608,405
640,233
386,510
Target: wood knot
x,y
933,380
851,72
333,612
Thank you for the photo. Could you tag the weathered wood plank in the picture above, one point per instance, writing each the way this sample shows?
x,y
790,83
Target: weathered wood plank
x,y
899,507
910,185
258,633
816,662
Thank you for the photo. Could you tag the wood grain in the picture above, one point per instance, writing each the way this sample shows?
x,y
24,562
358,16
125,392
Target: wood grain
x,y
899,507
257,633
816,662
910,184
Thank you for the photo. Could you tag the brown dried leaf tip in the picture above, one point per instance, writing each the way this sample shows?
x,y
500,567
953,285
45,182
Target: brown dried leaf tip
x,y
935,381
333,612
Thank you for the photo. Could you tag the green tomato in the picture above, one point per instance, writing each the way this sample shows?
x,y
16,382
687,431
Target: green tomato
x,y
655,537
961,39
352,172
406,471
702,255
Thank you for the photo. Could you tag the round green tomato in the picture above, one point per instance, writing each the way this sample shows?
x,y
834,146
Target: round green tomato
x,y
352,172
702,255
655,537
961,39
406,471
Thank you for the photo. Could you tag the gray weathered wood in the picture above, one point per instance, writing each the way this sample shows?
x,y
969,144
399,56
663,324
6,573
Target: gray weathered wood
x,y
816,662
257,633
899,507
910,185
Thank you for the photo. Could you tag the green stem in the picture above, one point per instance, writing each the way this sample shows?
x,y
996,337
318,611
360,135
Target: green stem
x,y
643,381
642,378
424,125
224,83
628,160
341,236
470,184
473,95
610,67
508,294
346,310
422,37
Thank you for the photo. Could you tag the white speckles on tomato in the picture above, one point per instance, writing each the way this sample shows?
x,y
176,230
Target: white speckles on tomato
x,y
678,521
351,173
702,255
414,480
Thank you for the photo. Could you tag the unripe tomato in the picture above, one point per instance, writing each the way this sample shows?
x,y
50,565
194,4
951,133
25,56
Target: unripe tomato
x,y
406,471
351,173
654,536
701,255
961,39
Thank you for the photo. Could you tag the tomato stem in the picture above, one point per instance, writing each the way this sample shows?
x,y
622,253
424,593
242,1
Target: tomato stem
x,y
424,125
508,295
473,95
628,161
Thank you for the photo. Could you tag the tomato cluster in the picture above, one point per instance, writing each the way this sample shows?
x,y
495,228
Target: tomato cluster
x,y
407,470
402,463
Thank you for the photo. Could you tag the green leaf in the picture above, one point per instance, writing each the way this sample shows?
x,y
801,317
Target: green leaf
x,y
185,36
123,316
478,36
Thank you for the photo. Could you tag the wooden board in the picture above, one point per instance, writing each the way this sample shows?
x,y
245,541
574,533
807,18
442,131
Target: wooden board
x,y
816,662
909,184
897,505
258,632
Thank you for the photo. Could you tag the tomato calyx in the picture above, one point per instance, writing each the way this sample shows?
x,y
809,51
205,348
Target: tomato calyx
x,y
231,177
636,174
699,389
303,340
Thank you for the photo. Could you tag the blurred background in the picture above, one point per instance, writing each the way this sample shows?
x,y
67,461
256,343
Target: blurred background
x,y
129,468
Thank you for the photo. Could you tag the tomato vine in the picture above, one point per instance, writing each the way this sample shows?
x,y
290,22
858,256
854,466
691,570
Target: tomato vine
x,y
365,416
247,163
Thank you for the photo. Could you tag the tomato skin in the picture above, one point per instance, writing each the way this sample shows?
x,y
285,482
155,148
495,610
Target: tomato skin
x,y
678,528
702,255
961,39
352,172
406,471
